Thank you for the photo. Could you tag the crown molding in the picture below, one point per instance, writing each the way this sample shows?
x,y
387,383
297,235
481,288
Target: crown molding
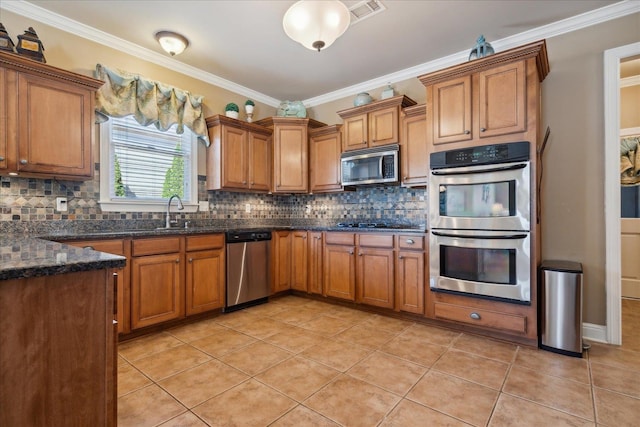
x,y
607,13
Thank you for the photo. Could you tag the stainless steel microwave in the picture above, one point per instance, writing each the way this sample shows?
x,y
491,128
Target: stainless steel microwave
x,y
370,166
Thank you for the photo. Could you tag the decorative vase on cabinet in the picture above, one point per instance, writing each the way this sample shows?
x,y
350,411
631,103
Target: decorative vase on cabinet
x,y
362,99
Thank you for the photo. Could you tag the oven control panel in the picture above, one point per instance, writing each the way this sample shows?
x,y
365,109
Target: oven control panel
x,y
483,155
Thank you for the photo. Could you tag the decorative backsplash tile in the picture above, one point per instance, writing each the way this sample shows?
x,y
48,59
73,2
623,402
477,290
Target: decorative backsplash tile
x,y
28,205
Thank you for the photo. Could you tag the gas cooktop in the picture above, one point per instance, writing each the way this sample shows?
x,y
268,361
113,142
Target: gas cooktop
x,y
370,225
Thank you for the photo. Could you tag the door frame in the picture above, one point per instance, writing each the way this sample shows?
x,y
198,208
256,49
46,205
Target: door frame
x,y
612,58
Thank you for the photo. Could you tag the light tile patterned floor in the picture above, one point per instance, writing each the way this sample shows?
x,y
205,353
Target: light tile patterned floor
x,y
299,362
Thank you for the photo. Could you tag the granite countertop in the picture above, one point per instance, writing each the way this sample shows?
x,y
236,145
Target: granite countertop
x,y
24,257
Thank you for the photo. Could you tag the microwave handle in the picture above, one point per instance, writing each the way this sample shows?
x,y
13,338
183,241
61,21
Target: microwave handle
x,y
468,172
381,166
467,236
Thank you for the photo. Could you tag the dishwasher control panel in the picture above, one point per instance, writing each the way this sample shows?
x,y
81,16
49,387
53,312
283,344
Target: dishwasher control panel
x,y
247,236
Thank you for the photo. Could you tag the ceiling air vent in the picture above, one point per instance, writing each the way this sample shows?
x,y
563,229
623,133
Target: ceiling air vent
x,y
365,9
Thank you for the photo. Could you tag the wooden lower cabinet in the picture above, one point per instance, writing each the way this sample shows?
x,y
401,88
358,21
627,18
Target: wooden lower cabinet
x,y
340,265
375,283
205,273
57,351
411,264
314,262
281,264
299,261
157,280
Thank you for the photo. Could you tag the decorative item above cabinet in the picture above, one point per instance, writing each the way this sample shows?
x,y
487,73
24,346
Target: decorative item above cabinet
x,y
46,120
373,124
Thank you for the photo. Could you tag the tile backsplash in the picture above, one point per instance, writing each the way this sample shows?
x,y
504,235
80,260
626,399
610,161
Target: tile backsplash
x,y
28,205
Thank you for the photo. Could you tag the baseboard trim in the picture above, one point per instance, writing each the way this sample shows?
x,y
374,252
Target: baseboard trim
x,y
594,332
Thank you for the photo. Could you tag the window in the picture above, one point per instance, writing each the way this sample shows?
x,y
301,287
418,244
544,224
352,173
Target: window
x,y
141,167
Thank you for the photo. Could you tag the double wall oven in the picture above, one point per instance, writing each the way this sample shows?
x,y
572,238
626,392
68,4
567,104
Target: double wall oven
x,y
480,222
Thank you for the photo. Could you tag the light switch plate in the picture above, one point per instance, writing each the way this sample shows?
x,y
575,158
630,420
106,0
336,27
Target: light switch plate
x,y
203,205
247,207
61,204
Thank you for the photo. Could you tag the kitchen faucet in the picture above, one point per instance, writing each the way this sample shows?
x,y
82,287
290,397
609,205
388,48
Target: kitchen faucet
x,y
180,207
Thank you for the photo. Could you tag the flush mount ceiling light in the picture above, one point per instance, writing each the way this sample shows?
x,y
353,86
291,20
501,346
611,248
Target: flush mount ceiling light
x,y
172,43
316,24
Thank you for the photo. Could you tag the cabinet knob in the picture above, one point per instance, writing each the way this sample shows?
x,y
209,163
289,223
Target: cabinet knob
x,y
177,260
359,253
244,182
483,129
410,241
400,257
252,182
1,158
364,142
351,252
467,132
475,316
190,259
23,161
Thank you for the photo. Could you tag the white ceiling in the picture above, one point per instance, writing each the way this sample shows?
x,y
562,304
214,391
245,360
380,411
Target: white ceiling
x,y
242,42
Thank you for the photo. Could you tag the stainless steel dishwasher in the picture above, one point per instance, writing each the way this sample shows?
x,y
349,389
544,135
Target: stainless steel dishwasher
x,y
248,272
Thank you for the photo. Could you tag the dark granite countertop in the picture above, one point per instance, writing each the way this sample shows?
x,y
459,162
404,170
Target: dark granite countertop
x,y
23,257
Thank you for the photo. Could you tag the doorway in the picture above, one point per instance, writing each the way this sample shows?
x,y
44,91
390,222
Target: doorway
x,y
612,60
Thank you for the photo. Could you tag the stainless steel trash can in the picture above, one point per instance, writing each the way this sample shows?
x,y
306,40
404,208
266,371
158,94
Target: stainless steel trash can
x,y
560,300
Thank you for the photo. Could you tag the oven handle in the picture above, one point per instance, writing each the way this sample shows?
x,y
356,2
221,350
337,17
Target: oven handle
x,y
466,236
468,172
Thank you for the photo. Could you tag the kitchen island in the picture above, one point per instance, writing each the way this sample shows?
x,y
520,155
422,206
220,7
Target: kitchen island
x,y
57,334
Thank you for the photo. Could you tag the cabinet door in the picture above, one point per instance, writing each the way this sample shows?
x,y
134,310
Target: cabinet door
x,y
339,271
259,162
502,108
452,111
325,163
383,127
415,152
205,282
290,162
375,277
157,289
410,281
234,157
355,133
281,241
54,140
314,267
299,261
4,137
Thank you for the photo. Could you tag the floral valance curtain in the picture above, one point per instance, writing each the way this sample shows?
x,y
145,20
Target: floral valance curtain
x,y
149,102
630,161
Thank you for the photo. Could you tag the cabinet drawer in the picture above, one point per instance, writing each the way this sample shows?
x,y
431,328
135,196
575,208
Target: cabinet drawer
x,y
410,241
209,241
339,238
115,247
163,245
481,317
376,240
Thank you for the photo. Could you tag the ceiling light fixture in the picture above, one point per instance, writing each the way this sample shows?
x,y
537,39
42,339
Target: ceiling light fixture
x,y
172,43
316,24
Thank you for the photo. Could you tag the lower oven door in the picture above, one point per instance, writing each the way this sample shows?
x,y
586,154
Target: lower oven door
x,y
489,264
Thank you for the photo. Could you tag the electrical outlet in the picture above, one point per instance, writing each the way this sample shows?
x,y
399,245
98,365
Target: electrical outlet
x,y
203,205
61,204
247,208
308,209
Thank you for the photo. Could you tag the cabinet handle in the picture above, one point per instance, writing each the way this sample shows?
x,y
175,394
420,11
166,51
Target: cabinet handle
x,y
475,316
23,162
177,260
483,129
410,241
467,132
190,259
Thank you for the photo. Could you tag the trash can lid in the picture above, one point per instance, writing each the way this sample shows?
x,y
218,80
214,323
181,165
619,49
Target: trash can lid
x,y
557,265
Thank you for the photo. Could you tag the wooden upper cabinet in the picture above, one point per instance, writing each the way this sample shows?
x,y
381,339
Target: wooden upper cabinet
x,y
47,117
414,150
239,157
452,110
374,124
290,156
325,146
489,100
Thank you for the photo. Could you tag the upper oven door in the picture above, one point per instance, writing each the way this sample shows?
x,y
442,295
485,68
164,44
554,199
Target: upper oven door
x,y
487,197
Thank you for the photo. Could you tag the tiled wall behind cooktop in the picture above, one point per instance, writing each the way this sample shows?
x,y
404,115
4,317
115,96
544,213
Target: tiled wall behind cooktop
x,y
27,200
